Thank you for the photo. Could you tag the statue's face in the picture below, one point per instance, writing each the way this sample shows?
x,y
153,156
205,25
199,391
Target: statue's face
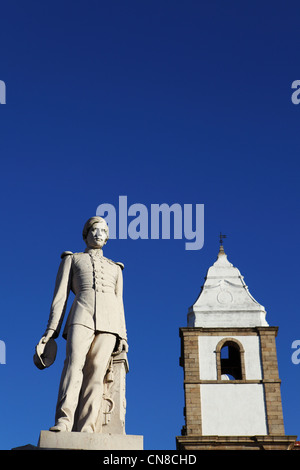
x,y
97,235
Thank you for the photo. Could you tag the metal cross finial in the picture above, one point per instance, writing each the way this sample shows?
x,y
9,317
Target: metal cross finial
x,y
222,237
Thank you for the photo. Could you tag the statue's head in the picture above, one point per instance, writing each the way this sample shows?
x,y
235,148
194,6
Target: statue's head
x,y
95,232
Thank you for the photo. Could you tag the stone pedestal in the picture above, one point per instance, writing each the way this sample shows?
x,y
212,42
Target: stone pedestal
x,y
88,441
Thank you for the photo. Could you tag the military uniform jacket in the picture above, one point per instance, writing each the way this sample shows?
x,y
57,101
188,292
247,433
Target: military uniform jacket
x,y
97,283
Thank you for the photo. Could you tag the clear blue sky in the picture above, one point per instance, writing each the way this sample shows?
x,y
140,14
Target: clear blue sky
x,y
182,102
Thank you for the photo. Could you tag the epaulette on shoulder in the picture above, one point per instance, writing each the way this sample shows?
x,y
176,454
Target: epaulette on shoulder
x,y
120,264
66,253
115,262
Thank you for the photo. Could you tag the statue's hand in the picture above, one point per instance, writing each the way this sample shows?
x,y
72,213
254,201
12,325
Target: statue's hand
x,y
47,336
122,346
45,351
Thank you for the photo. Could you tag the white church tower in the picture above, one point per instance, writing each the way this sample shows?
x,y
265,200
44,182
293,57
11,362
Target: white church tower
x,y
231,382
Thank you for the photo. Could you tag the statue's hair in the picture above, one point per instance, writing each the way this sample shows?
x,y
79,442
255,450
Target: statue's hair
x,y
88,225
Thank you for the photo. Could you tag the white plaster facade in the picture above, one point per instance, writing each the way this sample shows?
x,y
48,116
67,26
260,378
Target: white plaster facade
x,y
232,409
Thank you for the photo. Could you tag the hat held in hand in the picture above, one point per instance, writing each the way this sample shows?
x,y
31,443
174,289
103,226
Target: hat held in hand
x,y
45,353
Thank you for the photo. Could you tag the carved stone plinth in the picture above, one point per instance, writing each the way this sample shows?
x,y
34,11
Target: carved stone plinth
x,y
114,399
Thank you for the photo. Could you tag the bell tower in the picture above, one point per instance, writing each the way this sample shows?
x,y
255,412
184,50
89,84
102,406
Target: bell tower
x,y
231,382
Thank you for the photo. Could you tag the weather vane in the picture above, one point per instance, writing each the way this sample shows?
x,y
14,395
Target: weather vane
x,y
222,236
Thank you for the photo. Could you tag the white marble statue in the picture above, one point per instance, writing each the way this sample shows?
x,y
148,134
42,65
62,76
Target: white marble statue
x,y
95,329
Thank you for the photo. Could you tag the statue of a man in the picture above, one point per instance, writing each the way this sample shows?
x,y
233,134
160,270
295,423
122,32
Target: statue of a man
x,y
95,328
